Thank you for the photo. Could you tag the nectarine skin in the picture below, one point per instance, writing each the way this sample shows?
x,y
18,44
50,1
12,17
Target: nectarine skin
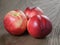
x,y
30,12
39,26
15,22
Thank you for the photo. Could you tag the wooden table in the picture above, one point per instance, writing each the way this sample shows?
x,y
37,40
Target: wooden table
x,y
51,9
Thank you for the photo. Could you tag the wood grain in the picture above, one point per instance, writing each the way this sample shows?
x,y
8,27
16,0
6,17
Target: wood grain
x,y
51,9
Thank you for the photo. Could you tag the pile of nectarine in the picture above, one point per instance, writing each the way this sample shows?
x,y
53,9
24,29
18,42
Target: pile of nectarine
x,y
33,19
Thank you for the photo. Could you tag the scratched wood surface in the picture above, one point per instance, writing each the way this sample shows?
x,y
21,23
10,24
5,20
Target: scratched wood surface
x,y
51,9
